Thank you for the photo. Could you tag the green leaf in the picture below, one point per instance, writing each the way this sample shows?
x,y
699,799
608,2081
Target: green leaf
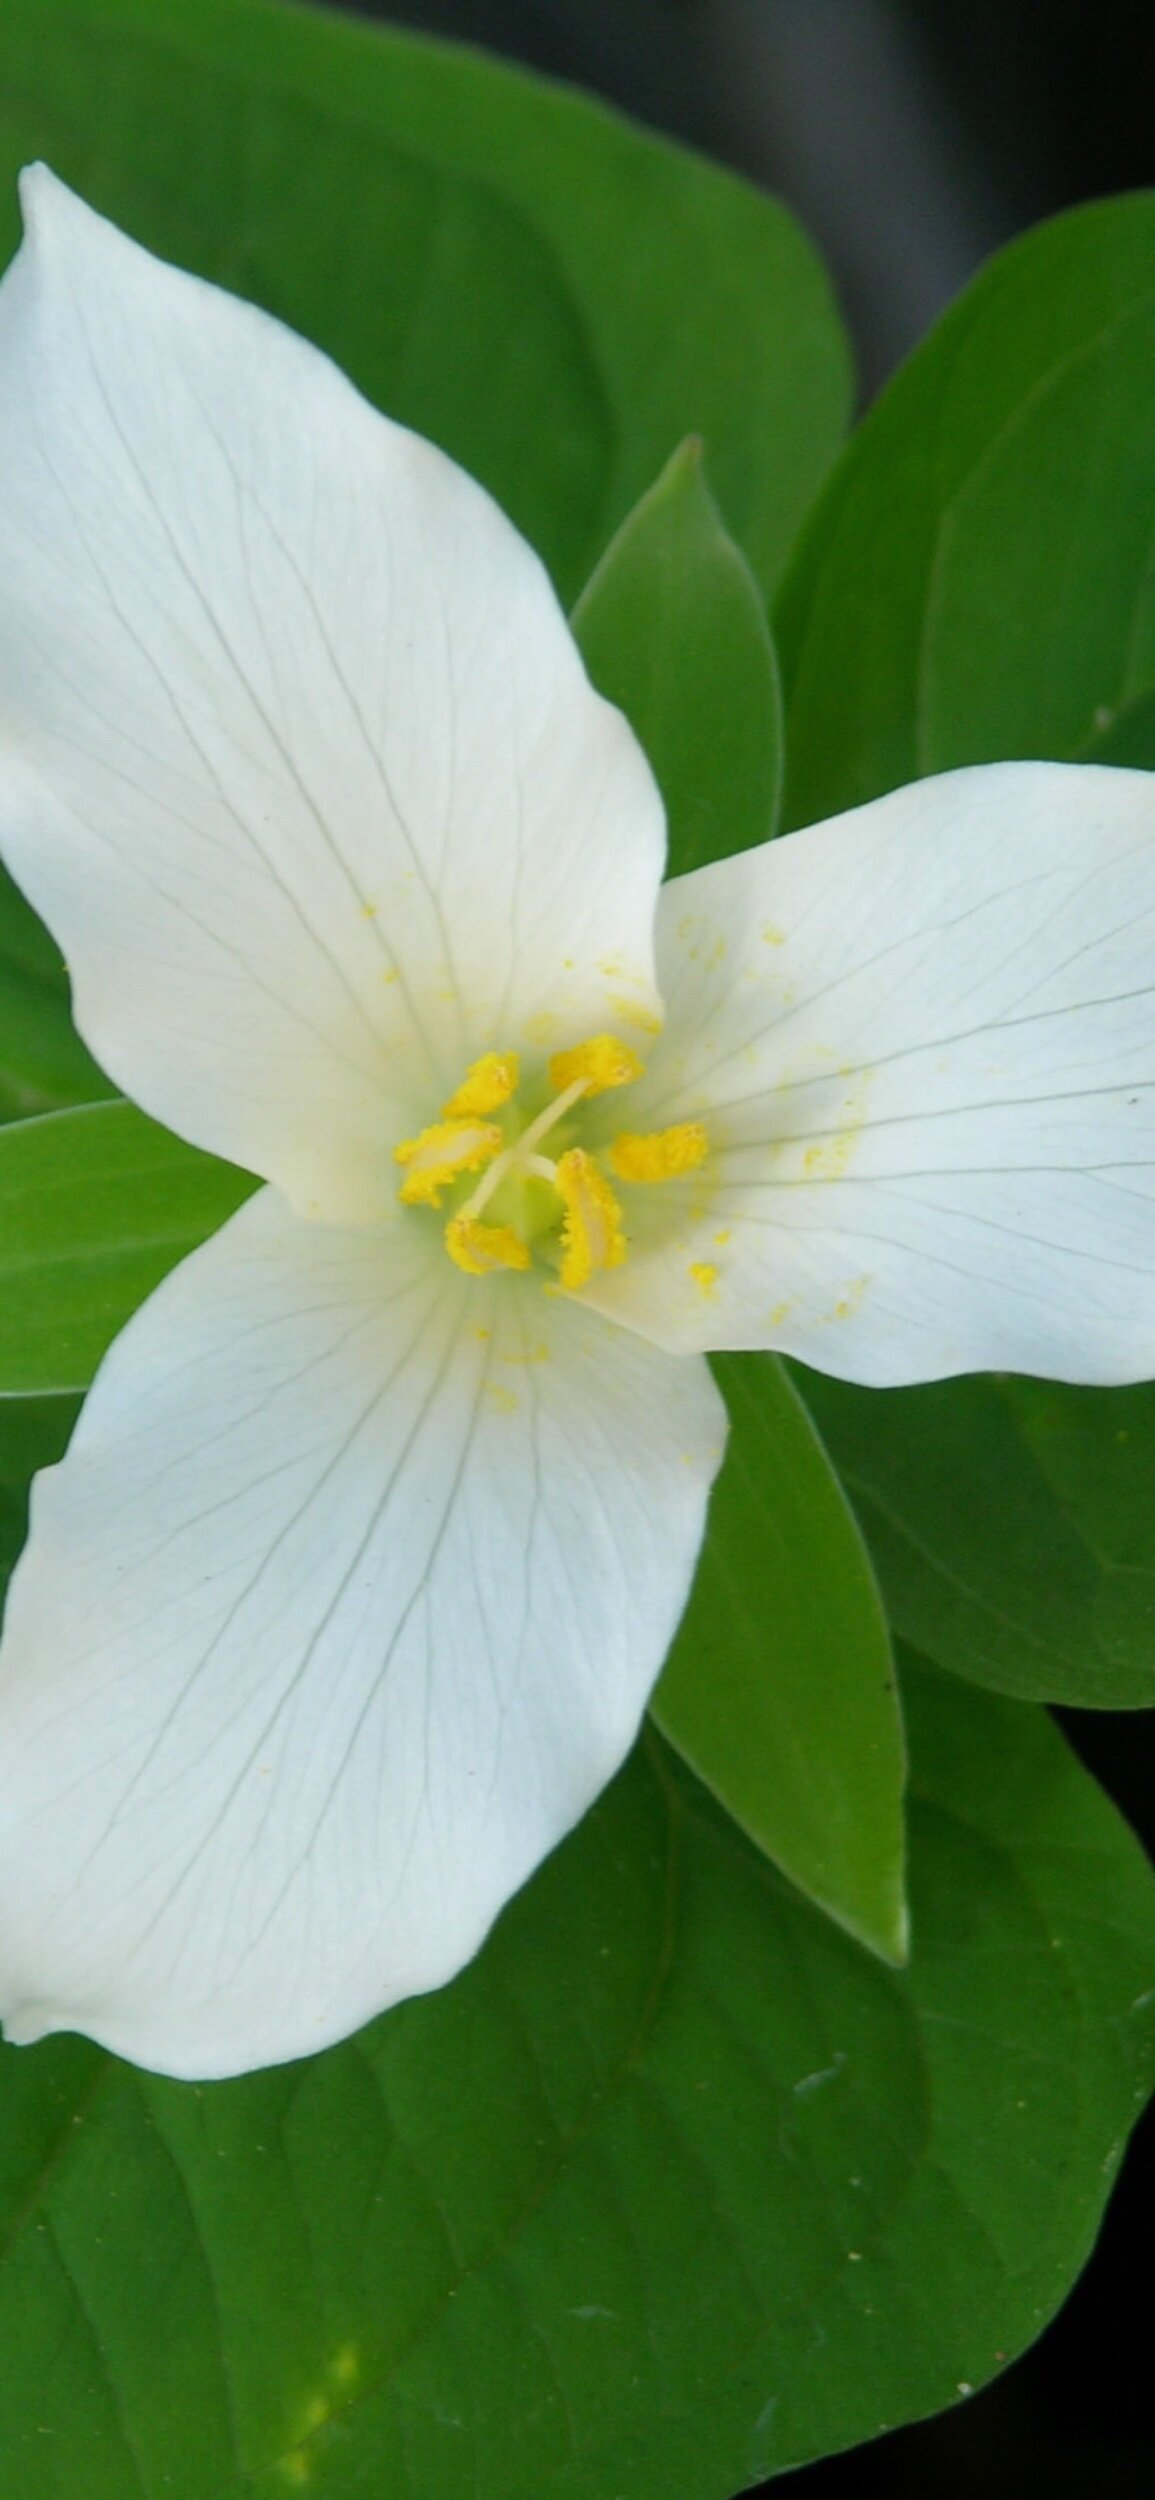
x,y
779,1690
674,2189
43,1062
33,1433
977,580
1126,737
672,628
98,1204
555,297
1010,1525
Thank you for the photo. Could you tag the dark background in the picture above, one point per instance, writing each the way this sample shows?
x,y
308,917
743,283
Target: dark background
x,y
912,137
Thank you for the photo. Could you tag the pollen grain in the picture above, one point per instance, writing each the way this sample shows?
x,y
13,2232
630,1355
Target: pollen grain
x,y
661,1156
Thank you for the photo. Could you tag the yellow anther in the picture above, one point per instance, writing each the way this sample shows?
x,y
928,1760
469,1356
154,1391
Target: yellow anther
x,y
479,1248
660,1156
596,1065
441,1154
592,1237
486,1085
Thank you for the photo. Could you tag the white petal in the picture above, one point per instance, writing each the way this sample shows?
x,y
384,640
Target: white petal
x,y
344,1604
922,1038
300,762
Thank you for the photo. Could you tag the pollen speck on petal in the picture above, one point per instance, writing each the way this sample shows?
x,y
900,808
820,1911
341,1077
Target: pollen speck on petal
x,y
662,1155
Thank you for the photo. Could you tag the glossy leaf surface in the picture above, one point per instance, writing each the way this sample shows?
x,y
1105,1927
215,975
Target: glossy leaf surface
x,y
780,1687
43,1062
98,1204
1011,1525
976,581
672,628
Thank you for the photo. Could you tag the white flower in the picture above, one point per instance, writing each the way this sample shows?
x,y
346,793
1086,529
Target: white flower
x,y
351,1590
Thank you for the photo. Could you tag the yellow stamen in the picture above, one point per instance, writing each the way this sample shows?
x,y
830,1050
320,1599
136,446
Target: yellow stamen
x,y
592,1236
662,1156
486,1085
479,1248
596,1065
441,1154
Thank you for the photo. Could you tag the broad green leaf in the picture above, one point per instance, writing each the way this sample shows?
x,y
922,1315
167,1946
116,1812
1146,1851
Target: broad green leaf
x,y
673,629
98,1203
977,580
674,2189
780,1690
43,1062
555,297
1010,1522
33,1433
1127,736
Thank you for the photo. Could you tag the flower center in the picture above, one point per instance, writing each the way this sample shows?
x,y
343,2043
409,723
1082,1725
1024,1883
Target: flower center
x,y
558,1207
